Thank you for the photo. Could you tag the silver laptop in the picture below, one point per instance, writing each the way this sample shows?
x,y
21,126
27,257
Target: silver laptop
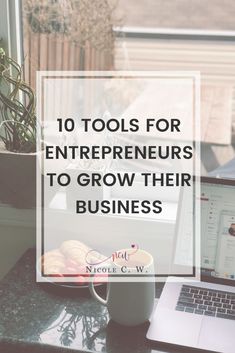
x,y
202,314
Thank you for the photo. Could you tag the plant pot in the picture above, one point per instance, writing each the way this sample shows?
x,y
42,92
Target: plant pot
x,y
18,179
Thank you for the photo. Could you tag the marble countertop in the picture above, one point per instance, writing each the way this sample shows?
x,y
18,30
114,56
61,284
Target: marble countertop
x,y
38,317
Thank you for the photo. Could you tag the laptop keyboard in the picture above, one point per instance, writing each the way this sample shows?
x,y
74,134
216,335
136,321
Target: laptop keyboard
x,y
202,301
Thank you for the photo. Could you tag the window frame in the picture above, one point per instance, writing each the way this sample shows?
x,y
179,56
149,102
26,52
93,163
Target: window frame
x,y
11,29
174,34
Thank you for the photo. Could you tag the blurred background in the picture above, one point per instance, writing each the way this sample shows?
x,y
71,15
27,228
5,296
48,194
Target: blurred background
x,y
143,35
124,35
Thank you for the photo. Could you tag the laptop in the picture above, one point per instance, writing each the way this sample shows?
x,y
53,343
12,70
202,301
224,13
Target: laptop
x,y
201,314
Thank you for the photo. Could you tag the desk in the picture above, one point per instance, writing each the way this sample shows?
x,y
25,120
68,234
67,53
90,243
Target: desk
x,y
37,318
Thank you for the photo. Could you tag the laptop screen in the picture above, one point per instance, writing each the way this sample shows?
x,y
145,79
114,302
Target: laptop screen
x,y
218,229
217,232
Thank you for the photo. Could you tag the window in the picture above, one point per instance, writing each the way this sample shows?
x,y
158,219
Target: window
x,y
143,35
10,28
187,35
67,35
180,14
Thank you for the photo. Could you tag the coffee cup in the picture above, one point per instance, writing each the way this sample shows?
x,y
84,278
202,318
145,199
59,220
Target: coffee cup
x,y
130,301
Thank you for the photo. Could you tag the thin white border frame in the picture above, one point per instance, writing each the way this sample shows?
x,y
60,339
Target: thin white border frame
x,y
172,74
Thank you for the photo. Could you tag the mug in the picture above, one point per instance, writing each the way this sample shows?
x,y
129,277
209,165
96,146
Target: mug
x,y
130,303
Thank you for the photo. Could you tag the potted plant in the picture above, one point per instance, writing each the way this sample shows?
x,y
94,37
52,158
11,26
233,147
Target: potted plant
x,y
18,127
